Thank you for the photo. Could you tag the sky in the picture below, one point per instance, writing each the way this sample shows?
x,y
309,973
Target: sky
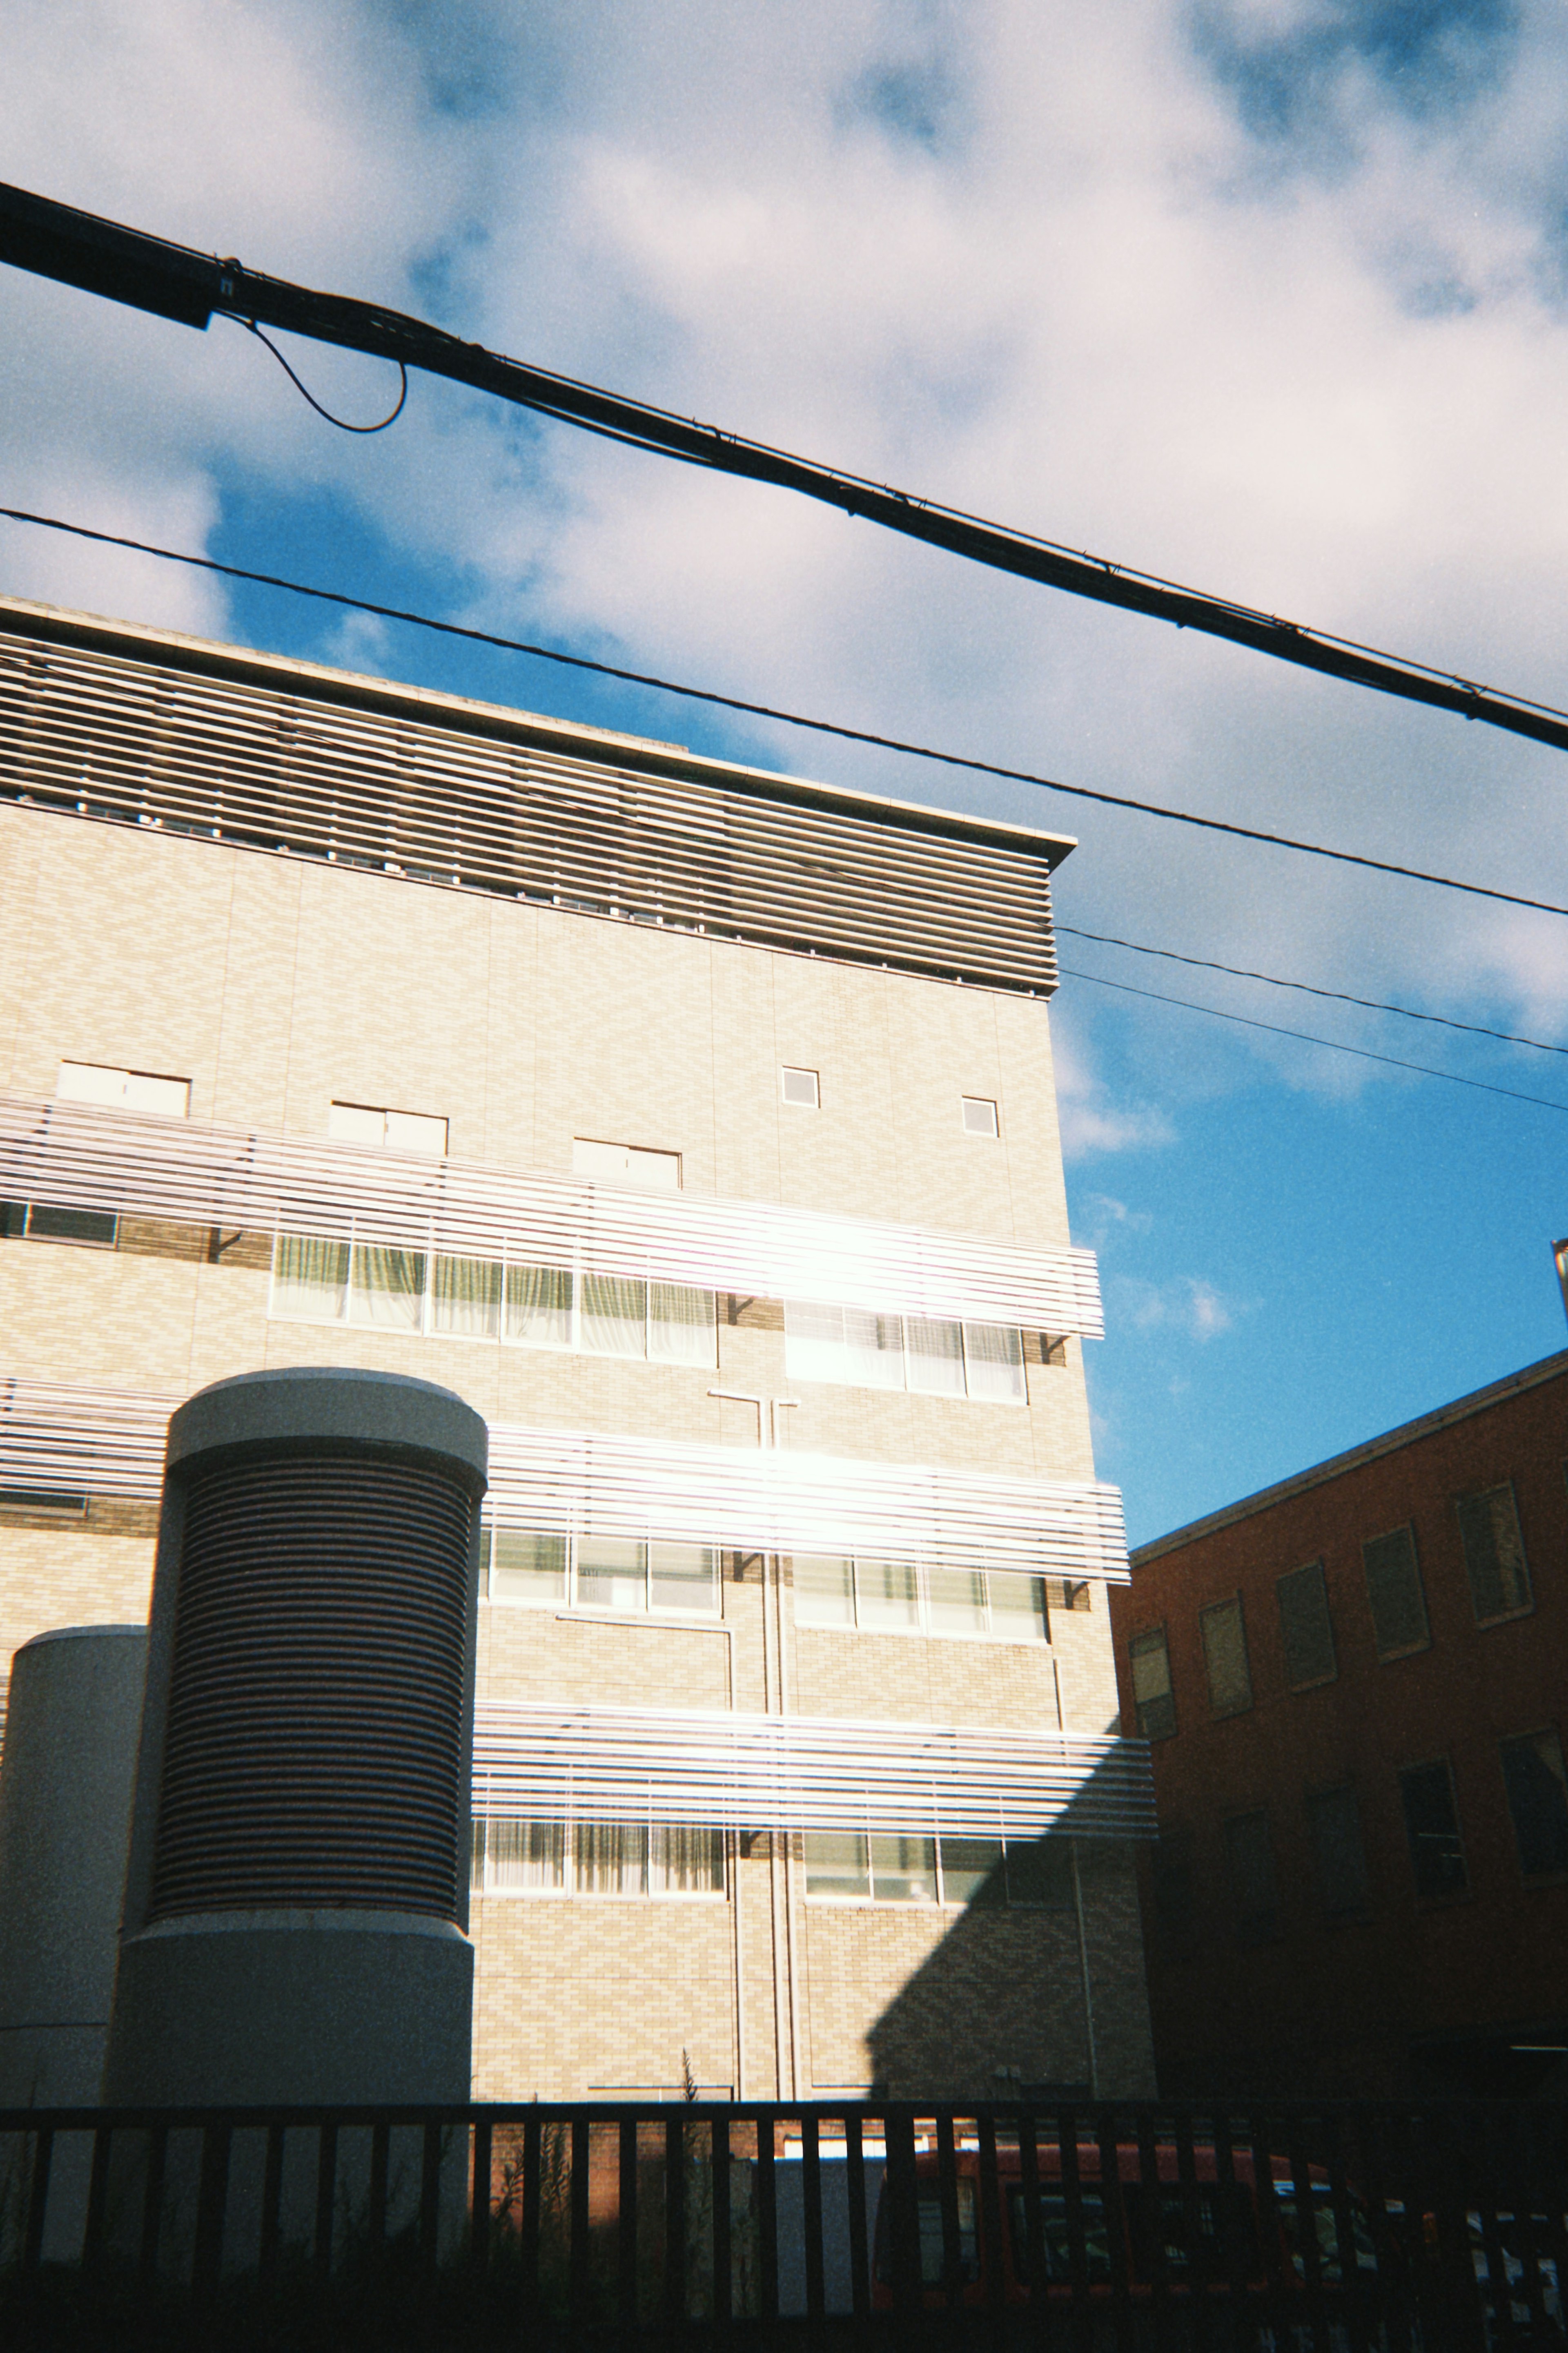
x,y
1265,296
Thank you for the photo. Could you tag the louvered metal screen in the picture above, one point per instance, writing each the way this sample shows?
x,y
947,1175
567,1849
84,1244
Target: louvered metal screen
x,y
111,1442
216,749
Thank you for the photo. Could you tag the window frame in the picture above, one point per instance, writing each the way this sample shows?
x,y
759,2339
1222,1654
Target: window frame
x,y
788,1070
386,1113
568,1888
1552,1875
922,1629
1481,1495
1398,1650
940,1901
1212,1609
970,1354
1329,1675
1437,1896
992,1134
571,1603
1148,1635
1337,1915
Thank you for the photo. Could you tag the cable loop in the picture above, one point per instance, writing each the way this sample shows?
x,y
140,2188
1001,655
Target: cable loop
x,y
341,423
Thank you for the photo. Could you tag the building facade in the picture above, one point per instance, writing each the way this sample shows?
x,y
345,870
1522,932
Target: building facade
x,y
1354,1687
697,1126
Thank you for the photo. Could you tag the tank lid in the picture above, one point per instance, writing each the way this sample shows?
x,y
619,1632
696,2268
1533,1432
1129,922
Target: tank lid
x,y
301,1406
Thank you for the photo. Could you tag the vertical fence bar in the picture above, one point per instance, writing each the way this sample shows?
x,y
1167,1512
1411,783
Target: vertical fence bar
x,y
674,2222
988,2220
1067,2146
811,2217
854,2191
724,2282
270,2240
212,2202
37,2197
152,2203
532,2192
1030,2258
480,2209
767,2218
1113,2209
430,2197
579,2244
1187,2196
1308,2251
947,2198
627,2228
1145,2199
92,2248
901,2198
380,2167
326,2198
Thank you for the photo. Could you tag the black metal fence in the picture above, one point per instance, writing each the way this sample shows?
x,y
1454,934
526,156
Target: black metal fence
x,y
1348,2227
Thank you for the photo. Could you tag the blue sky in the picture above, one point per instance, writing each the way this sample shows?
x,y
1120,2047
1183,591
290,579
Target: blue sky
x,y
1268,296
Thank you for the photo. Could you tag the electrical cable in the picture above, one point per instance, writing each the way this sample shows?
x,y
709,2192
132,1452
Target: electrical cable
x,y
1340,996
1274,1030
341,423
796,718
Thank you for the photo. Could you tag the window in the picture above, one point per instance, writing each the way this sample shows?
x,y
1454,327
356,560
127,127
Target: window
x,y
382,1288
416,1131
979,1116
1537,1787
803,1087
852,1867
1152,1696
612,1573
626,1163
1333,1818
932,1355
1249,1860
41,1221
1494,1554
891,1597
528,1858
1395,1593
1225,1657
96,1083
1306,1629
1432,1826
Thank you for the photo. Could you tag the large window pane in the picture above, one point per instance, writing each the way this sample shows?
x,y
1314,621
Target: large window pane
x,y
887,1595
524,1858
903,1870
388,1288
309,1277
972,1871
837,1862
1432,1826
1249,1858
1537,1788
814,1342
612,1573
1017,1606
611,1858
1151,1694
1306,1629
615,1315
824,1590
1039,1871
1334,1821
873,1349
683,1577
525,1566
1225,1657
936,1352
1394,1594
1494,1553
686,1859
993,1357
680,1324
539,1307
955,1599
466,1297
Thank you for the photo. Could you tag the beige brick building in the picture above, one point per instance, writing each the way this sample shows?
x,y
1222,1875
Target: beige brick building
x,y
697,1125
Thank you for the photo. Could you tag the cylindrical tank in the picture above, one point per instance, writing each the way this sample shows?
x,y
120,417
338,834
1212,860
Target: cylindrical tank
x,y
67,1773
297,1895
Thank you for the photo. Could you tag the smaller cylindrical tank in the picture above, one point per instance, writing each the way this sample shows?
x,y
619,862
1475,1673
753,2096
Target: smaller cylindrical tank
x,y
67,1773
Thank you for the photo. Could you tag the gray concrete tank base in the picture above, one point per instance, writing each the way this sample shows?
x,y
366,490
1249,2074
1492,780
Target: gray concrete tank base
x,y
67,1773
297,1893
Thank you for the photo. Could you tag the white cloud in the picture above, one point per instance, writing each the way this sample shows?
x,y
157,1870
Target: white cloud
x,y
1189,1306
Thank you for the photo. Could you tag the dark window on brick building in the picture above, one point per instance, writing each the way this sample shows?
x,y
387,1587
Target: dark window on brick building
x,y
1151,1694
1537,1785
1306,1629
1432,1826
1225,1657
1333,1818
1249,1862
1394,1592
1494,1553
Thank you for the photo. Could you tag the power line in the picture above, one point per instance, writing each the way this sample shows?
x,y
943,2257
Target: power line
x,y
174,282
1363,1053
794,718
1340,996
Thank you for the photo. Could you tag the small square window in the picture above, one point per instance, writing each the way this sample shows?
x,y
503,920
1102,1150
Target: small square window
x,y
803,1087
98,1082
626,1163
419,1133
979,1116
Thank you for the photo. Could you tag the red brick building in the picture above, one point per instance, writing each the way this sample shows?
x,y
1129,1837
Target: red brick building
x,y
1356,1687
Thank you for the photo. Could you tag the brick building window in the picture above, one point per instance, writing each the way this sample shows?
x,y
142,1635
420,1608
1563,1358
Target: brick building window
x,y
931,1355
1494,1554
1333,1818
1224,1632
979,1116
1152,1697
527,1858
1394,1594
1432,1827
1254,1892
802,1087
612,1573
421,1133
1306,1628
896,1597
147,1090
852,1867
1537,1786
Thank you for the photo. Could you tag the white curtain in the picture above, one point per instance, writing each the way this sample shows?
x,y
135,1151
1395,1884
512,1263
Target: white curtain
x,y
888,1595
388,1287
873,1349
467,1297
680,1326
539,1307
956,1599
936,1352
1019,1607
526,1565
615,1315
611,1858
994,1357
524,1857
309,1277
612,1572
683,1577
686,1859
824,1590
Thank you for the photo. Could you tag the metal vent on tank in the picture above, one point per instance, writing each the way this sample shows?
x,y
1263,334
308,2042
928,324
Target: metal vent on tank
x,y
314,1757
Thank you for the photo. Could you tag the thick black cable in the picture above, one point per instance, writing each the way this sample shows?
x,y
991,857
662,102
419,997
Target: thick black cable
x,y
1306,988
306,393
795,718
1274,1030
